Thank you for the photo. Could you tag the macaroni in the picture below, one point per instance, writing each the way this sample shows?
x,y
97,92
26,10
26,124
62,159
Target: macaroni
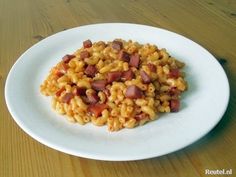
x,y
120,84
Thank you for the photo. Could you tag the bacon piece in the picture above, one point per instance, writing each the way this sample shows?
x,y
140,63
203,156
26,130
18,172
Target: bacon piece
x,y
79,91
133,92
67,58
99,85
152,67
127,75
145,77
90,70
134,60
58,93
117,45
141,116
67,97
87,44
174,105
113,76
84,54
96,109
174,73
124,56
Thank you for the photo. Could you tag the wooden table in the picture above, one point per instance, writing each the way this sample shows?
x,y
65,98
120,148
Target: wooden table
x,y
210,23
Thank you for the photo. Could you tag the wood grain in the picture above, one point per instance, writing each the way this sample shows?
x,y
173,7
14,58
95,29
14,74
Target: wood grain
x,y
211,23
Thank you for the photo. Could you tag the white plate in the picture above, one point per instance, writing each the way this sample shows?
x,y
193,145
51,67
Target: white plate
x,y
203,104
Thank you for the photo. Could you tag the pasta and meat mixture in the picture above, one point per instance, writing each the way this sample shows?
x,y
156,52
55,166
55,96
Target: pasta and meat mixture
x,y
121,84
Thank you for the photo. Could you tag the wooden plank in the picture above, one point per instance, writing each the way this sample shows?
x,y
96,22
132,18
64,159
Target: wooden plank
x,y
23,23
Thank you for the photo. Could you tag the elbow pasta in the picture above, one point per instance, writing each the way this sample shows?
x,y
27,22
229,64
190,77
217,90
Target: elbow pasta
x,y
81,90
84,83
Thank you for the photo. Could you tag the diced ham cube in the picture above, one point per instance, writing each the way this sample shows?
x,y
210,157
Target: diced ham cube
x,y
117,45
61,69
134,60
174,105
64,67
174,73
99,85
67,97
84,54
85,99
58,93
79,91
152,67
67,58
113,76
174,91
145,77
87,44
90,70
133,92
127,75
124,56
59,73
90,99
96,109
107,92
93,98
141,116
73,84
